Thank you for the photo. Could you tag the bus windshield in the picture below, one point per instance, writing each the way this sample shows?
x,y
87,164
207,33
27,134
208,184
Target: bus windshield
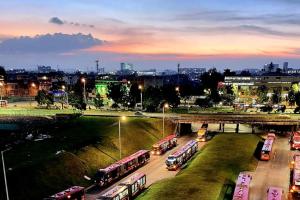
x,y
171,160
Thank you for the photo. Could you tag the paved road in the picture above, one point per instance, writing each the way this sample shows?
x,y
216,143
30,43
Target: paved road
x,y
272,173
155,170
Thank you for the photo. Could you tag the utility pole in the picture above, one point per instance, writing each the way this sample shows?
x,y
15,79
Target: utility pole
x,y
97,66
4,174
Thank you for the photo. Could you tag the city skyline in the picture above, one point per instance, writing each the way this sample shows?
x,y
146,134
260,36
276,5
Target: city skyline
x,y
197,34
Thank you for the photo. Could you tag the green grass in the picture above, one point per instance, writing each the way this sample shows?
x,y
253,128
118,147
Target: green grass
x,y
19,111
218,163
89,143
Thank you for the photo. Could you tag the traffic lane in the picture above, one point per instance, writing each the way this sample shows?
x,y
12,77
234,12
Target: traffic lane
x,y
274,172
155,169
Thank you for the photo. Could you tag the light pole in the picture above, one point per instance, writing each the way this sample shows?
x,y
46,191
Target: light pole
x,y
141,88
4,173
1,85
123,118
33,85
84,93
166,105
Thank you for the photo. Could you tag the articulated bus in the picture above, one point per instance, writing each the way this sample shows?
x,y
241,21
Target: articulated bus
x,y
117,170
267,148
73,193
274,193
164,145
181,156
295,141
128,189
241,191
295,175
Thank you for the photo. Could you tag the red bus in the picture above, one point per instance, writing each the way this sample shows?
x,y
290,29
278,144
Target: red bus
x,y
275,193
241,191
267,148
73,193
117,193
128,189
164,145
295,141
181,156
113,172
295,175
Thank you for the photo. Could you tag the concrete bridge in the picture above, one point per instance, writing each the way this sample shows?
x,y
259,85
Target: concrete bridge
x,y
254,120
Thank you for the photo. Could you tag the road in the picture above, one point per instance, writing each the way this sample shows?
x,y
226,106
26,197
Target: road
x,y
274,172
155,170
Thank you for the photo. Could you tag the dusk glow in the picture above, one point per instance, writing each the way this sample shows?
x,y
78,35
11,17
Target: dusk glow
x,y
153,32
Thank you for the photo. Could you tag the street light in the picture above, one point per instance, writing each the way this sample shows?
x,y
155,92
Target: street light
x,y
141,88
1,85
33,85
84,95
123,118
166,105
4,173
63,87
177,89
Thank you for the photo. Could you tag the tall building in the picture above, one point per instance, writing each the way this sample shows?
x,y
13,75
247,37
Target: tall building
x,y
126,69
285,67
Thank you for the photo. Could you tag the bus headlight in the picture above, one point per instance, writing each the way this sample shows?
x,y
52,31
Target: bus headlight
x,y
152,152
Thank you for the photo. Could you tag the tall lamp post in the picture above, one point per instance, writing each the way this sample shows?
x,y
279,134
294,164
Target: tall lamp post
x,y
141,88
4,173
123,118
166,105
84,92
33,85
1,91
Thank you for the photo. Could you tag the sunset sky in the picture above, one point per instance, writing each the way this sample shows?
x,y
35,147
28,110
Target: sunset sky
x,y
149,33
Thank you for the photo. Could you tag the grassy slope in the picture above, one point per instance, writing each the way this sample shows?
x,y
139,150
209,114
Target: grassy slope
x,y
221,160
89,143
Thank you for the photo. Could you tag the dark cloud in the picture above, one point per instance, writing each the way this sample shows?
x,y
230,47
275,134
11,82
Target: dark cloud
x,y
231,16
56,20
49,43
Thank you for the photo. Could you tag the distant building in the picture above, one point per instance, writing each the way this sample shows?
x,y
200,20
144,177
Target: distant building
x,y
285,67
44,69
126,69
293,71
192,73
270,67
150,72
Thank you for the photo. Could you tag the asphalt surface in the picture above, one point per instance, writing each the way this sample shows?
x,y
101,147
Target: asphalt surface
x,y
155,170
274,172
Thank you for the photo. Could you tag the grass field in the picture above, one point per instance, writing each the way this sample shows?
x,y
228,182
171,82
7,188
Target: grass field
x,y
89,143
219,162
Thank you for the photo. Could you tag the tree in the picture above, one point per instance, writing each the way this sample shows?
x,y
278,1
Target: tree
x,y
203,103
43,98
245,73
98,101
116,92
262,93
2,71
152,98
297,99
134,95
211,79
276,97
215,96
291,98
76,101
170,95
228,72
